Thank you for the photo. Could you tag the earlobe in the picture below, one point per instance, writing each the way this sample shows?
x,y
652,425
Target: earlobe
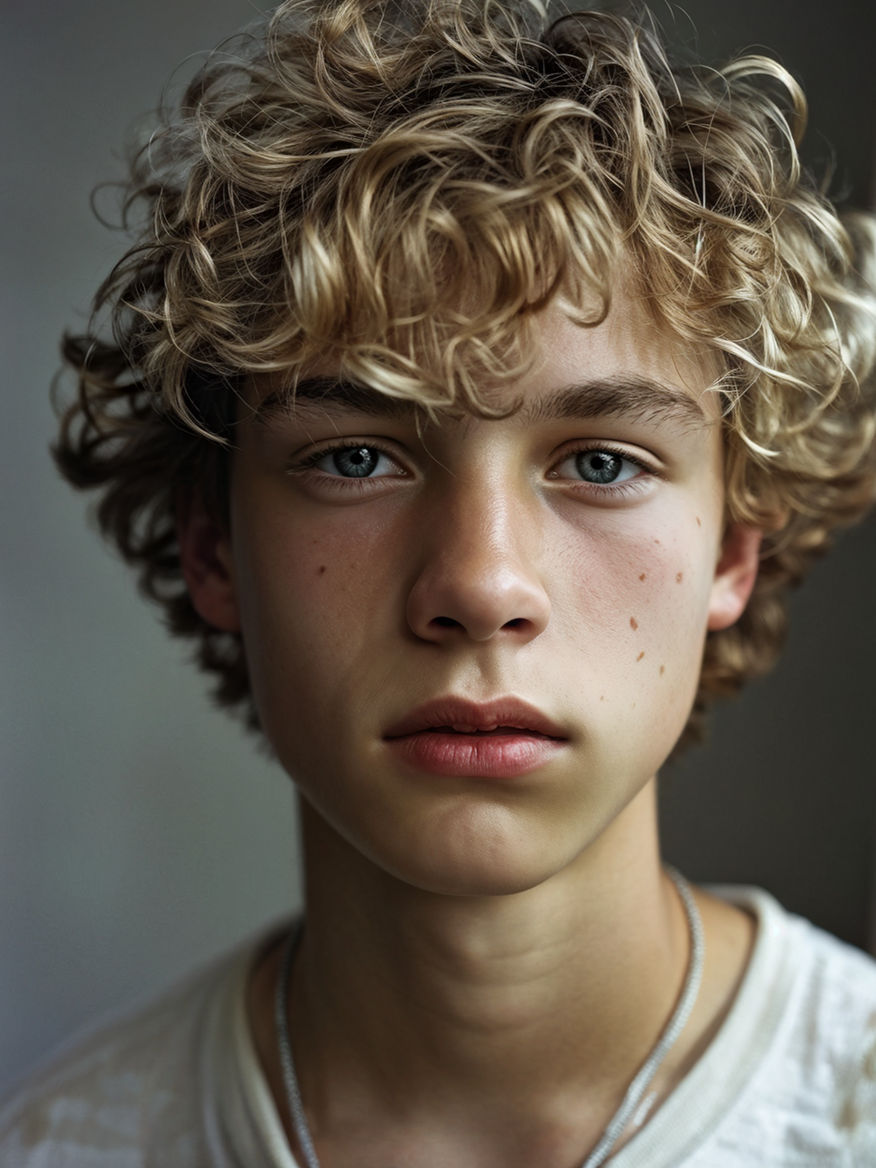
x,y
735,575
205,555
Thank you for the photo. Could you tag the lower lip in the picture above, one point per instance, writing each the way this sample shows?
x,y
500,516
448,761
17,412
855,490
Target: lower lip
x,y
482,756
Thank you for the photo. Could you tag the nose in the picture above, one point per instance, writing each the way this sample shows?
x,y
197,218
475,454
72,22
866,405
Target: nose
x,y
479,576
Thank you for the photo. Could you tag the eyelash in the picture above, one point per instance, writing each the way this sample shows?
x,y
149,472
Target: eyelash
x,y
607,491
338,482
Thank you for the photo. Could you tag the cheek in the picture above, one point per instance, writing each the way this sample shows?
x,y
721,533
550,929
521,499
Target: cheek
x,y
291,569
311,596
639,604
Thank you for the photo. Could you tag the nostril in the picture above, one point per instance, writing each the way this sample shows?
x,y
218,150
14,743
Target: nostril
x,y
459,598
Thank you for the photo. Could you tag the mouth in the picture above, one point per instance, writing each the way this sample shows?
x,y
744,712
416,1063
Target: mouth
x,y
499,739
460,716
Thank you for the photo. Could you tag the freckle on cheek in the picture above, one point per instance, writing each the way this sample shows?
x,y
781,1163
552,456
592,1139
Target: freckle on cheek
x,y
662,670
634,624
320,570
642,577
679,576
641,655
699,522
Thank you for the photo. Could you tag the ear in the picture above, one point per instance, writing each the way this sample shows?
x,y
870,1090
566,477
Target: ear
x,y
735,575
205,554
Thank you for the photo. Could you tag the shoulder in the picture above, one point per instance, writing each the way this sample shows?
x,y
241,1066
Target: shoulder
x,y
789,1080
828,987
806,1013
129,1093
831,1038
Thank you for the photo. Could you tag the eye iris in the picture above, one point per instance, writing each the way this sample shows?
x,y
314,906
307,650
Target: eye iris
x,y
598,466
356,462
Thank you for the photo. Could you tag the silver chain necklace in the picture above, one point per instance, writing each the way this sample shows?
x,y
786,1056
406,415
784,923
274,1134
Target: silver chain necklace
x,y
634,1093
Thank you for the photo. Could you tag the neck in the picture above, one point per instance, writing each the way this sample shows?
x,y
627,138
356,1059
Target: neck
x,y
496,1030
481,992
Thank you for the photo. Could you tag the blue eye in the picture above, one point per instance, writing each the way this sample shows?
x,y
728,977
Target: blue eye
x,y
600,467
354,462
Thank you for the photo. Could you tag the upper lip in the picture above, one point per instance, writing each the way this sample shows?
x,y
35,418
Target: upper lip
x,y
465,716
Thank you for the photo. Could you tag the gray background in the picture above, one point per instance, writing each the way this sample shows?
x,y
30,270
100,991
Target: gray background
x,y
139,831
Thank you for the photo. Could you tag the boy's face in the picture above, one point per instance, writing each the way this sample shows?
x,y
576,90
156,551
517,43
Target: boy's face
x,y
557,569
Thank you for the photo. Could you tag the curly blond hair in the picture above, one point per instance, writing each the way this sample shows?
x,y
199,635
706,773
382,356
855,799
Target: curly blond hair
x,y
359,169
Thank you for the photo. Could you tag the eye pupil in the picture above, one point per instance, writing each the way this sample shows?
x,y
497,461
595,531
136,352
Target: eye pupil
x,y
356,462
598,466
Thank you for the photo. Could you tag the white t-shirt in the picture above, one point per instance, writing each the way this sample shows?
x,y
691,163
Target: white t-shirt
x,y
789,1081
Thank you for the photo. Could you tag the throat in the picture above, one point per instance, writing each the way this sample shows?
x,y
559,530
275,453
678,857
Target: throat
x,y
577,1061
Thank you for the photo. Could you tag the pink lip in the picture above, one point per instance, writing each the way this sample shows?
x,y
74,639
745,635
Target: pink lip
x,y
498,739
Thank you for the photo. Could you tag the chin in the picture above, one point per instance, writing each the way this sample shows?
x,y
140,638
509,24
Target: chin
x,y
472,880
479,855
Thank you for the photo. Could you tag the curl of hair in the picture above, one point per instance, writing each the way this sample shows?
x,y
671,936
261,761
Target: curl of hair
x,y
403,184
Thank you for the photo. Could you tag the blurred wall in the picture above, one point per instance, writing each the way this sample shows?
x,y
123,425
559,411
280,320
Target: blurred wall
x,y
139,831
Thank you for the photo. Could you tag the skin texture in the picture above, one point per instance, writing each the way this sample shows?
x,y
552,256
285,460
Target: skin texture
x,y
485,921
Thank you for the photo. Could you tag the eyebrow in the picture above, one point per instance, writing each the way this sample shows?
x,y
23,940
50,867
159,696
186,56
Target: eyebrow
x,y
619,396
644,398
332,394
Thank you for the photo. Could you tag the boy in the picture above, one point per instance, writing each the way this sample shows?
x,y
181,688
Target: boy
x,y
478,385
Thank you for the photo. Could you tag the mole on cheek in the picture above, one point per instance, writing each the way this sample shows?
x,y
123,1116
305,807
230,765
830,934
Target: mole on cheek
x,y
679,576
320,570
642,577
634,624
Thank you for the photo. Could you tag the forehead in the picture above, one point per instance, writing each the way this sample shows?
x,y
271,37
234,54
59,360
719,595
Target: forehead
x,y
628,346
626,363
